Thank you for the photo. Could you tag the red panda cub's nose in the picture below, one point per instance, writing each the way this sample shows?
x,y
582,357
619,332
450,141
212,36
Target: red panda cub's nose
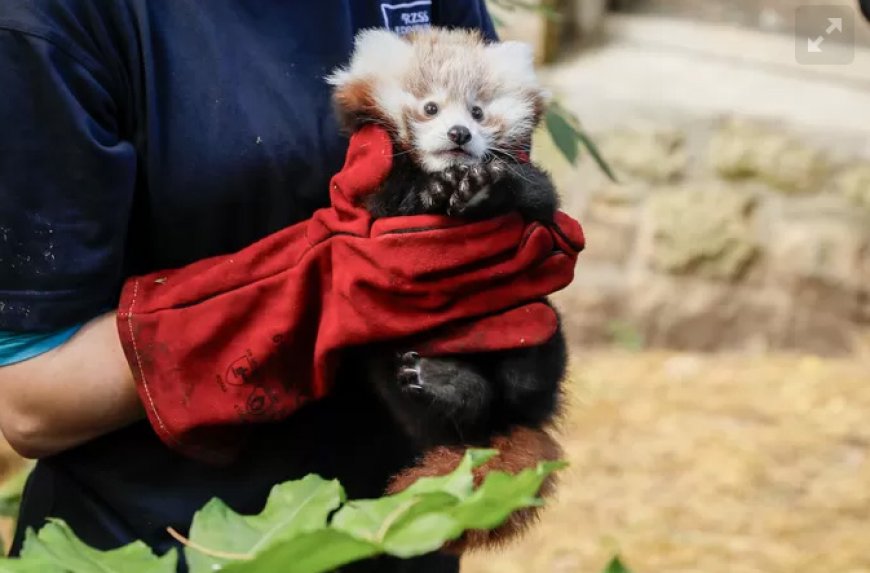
x,y
459,134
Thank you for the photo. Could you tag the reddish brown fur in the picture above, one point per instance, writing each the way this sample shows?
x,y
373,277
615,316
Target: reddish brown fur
x,y
522,448
356,104
540,106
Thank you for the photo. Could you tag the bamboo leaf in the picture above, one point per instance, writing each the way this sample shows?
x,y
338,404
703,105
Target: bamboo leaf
x,y
596,155
563,134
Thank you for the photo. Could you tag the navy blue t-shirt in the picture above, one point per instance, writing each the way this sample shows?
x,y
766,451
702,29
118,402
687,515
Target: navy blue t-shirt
x,y
137,135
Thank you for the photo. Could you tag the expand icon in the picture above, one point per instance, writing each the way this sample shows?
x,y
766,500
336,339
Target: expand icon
x,y
825,35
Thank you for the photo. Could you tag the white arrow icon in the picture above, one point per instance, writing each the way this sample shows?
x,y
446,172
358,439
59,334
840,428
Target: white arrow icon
x,y
815,46
836,24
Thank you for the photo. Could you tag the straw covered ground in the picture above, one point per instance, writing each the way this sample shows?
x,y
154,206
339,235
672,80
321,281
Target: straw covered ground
x,y
689,463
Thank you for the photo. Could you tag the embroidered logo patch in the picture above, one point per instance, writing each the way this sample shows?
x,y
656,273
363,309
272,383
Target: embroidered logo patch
x,y
408,16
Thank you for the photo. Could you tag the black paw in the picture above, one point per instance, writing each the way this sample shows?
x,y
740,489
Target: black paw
x,y
471,185
435,193
409,372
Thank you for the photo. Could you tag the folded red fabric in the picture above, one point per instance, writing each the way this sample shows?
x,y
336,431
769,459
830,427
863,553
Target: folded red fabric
x,y
253,335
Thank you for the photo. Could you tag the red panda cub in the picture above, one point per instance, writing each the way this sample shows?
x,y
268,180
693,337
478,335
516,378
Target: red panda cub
x,y
459,112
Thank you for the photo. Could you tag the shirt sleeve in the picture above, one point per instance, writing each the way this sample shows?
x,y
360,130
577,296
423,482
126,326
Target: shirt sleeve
x,y
66,183
472,14
20,346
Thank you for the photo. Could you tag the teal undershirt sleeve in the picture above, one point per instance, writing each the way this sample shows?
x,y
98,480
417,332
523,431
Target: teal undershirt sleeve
x,y
20,346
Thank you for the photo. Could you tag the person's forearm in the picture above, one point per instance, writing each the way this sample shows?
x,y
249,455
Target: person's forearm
x,y
70,395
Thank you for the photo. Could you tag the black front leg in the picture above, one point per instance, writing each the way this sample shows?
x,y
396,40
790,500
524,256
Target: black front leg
x,y
531,191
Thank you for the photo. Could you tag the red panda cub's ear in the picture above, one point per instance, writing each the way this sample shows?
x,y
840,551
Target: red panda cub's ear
x,y
355,105
365,90
513,64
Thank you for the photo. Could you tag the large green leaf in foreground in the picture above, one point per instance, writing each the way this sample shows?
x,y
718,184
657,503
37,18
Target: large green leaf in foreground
x,y
293,508
58,549
306,527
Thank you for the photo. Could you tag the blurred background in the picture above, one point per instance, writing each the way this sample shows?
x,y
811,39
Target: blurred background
x,y
719,415
719,398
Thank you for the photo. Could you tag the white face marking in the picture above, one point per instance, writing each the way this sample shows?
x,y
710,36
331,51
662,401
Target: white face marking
x,y
456,72
431,138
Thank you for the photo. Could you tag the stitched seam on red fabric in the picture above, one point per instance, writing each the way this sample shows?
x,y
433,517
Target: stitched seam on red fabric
x,y
142,377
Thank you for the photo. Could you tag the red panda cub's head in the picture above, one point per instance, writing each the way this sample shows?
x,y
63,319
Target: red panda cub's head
x,y
446,96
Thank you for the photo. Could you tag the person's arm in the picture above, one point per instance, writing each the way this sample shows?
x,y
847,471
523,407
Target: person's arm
x,y
66,184
69,395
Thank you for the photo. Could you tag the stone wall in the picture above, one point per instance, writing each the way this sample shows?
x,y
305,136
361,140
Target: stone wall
x,y
726,235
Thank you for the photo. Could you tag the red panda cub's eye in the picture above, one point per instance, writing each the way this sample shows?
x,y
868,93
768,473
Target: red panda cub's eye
x,y
430,109
476,113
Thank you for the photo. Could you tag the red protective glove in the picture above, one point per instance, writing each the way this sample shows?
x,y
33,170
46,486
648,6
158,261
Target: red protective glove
x,y
253,335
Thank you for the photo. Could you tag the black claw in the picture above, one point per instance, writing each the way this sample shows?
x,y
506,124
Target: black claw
x,y
464,187
496,170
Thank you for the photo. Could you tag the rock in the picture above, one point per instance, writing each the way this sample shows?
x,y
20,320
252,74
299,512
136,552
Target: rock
x,y
706,232
824,251
694,315
612,243
655,155
745,150
591,303
610,223
814,330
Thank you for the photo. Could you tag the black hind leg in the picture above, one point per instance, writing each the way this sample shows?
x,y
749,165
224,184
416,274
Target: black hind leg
x,y
453,398
530,380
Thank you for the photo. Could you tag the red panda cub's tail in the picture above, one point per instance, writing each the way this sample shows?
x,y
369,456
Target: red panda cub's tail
x,y
522,448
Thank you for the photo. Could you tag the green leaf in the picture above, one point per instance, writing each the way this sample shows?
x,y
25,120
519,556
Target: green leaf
x,y
383,521
563,134
596,155
57,545
459,482
425,516
29,566
501,494
311,552
292,508
568,123
421,534
294,530
616,566
416,520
